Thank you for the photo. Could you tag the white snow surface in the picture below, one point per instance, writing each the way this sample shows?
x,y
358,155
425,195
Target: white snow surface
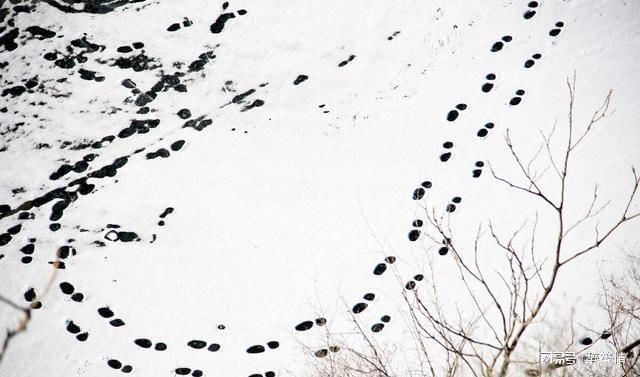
x,y
282,211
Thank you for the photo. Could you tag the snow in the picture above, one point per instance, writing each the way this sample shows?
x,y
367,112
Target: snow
x,y
282,211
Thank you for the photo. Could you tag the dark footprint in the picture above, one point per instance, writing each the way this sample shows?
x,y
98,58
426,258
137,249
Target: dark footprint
x,y
377,327
453,114
395,34
255,349
116,364
359,307
380,269
197,344
555,31
67,288
77,297
530,62
452,206
304,326
484,131
487,86
445,156
478,171
72,327
218,25
143,342
300,79
517,98
30,295
346,61
497,46
413,235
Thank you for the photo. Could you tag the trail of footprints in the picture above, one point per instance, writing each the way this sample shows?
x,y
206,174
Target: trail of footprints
x,y
144,126
420,192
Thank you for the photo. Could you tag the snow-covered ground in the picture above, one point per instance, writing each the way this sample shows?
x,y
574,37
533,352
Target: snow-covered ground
x,y
291,174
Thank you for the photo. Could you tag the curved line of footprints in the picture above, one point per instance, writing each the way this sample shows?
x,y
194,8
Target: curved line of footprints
x,y
379,269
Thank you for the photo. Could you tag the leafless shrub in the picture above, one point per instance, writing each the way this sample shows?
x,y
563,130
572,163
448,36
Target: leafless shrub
x,y
492,334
